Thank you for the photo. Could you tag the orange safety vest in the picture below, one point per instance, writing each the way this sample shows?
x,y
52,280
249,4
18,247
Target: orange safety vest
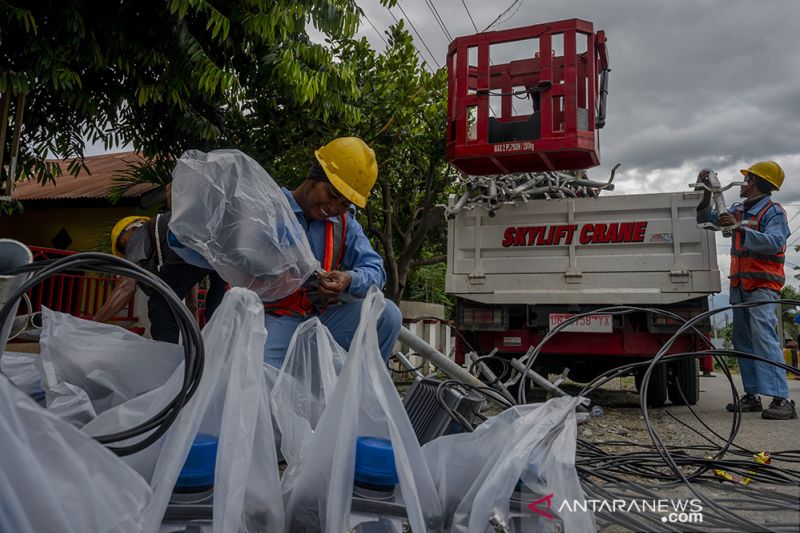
x,y
302,302
752,269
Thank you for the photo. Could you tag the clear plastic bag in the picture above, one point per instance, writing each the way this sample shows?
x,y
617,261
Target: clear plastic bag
x,y
477,473
228,209
232,403
20,368
109,364
53,477
366,404
302,388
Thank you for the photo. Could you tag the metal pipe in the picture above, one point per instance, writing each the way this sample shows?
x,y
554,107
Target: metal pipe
x,y
13,254
537,378
428,352
408,364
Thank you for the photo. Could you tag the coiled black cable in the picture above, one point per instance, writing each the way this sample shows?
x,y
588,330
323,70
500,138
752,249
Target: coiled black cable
x,y
150,430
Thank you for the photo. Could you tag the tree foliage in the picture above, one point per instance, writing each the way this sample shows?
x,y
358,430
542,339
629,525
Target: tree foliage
x,y
404,110
169,75
164,75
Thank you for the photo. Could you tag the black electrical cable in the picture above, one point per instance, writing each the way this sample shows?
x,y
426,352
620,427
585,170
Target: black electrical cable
x,y
150,430
404,371
506,371
612,311
652,464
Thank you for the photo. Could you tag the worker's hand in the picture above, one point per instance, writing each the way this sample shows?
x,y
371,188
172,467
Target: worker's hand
x,y
333,283
726,219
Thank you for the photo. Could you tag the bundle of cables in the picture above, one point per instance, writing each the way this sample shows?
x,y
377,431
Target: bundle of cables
x,y
149,431
612,476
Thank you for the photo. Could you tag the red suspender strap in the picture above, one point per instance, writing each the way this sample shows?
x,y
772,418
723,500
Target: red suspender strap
x,y
327,261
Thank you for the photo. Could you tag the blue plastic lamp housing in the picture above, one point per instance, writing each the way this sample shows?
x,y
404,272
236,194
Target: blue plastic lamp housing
x,y
375,462
198,470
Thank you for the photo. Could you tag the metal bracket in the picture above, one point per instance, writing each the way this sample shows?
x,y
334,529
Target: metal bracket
x,y
573,276
680,276
477,278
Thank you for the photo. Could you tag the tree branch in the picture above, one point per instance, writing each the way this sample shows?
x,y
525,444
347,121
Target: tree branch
x,y
429,260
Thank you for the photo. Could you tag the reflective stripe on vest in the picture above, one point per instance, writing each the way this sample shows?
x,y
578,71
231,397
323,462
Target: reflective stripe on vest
x,y
302,303
755,270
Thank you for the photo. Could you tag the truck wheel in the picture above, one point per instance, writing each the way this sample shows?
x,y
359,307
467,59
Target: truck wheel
x,y
684,377
657,389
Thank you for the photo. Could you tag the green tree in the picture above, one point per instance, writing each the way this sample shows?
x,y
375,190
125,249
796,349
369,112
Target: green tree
x,y
404,110
164,75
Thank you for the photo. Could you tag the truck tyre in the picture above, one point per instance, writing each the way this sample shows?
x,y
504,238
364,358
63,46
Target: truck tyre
x,y
657,389
684,377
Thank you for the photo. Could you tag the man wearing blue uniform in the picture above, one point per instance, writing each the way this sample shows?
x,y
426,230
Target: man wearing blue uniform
x,y
343,175
757,258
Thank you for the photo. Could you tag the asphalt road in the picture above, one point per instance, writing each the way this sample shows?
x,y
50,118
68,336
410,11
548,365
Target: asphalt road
x,y
755,433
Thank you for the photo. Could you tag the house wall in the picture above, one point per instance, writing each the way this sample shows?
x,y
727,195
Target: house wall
x,y
88,227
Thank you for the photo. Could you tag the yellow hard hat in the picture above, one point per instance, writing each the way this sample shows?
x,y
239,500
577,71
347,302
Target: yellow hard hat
x,y
768,170
350,166
119,228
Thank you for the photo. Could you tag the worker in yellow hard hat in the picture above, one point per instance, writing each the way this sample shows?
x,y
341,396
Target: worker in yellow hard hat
x,y
342,176
128,240
143,241
757,258
122,232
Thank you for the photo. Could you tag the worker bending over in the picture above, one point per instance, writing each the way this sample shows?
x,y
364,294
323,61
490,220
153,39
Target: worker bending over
x,y
757,257
342,176
143,241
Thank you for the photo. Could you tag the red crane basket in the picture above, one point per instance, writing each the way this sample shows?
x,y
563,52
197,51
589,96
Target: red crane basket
x,y
561,80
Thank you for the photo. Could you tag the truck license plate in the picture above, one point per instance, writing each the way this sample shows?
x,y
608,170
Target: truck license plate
x,y
586,324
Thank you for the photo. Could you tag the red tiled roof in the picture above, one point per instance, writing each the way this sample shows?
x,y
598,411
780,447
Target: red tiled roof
x,y
104,169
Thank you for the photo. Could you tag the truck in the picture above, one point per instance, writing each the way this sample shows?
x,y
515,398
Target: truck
x,y
519,273
532,241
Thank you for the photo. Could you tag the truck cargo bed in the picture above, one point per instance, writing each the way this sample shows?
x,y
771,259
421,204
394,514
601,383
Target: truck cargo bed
x,y
634,249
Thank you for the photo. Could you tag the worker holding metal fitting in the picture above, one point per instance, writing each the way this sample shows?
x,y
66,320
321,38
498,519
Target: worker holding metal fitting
x,y
342,175
759,232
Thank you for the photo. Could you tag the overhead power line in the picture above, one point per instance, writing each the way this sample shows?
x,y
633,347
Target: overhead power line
x,y
439,19
424,61
517,3
470,16
418,34
376,29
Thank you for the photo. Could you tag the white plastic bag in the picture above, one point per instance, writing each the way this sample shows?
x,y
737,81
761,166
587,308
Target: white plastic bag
x,y
232,403
476,473
304,384
53,477
228,209
110,364
20,368
364,403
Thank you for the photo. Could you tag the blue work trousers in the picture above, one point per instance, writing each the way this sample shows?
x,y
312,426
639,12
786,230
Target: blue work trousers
x,y
342,321
754,332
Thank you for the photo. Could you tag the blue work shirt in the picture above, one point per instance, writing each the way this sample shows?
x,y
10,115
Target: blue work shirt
x,y
775,229
360,260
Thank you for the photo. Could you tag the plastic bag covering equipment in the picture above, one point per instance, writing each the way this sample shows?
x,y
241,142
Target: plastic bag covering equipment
x,y
20,368
53,477
305,382
559,76
103,364
231,403
367,404
228,209
476,473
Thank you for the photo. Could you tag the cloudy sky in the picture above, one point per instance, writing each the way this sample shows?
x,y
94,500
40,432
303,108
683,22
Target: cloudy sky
x,y
694,84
